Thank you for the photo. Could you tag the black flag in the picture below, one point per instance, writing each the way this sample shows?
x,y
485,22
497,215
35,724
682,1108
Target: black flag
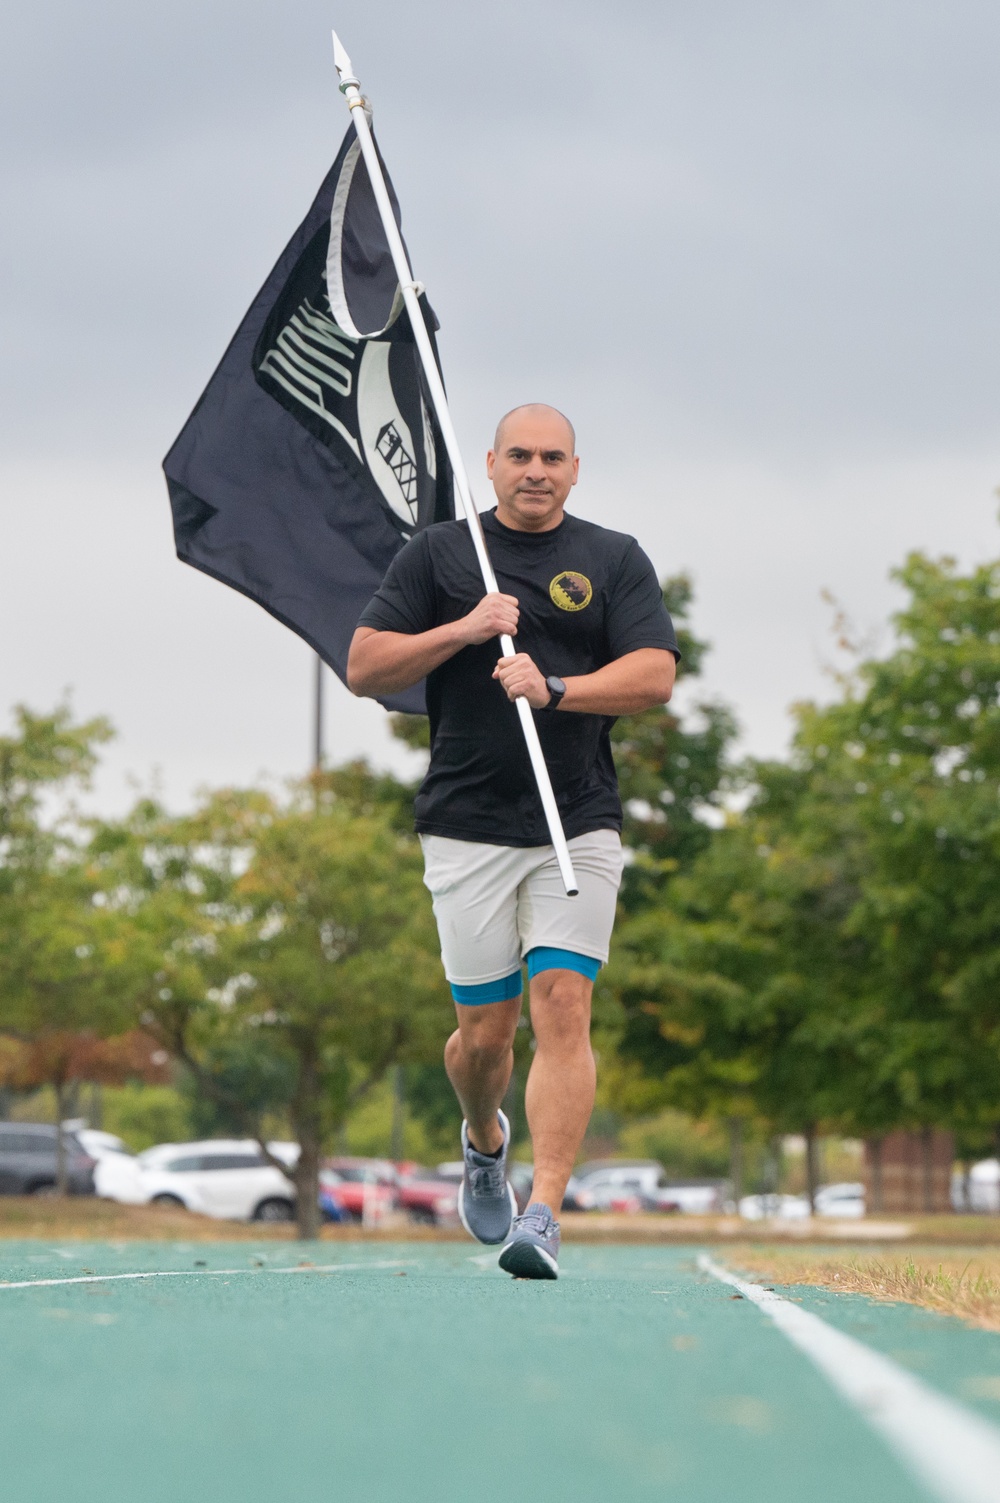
x,y
313,453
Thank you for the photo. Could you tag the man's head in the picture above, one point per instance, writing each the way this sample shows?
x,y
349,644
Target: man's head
x,y
533,466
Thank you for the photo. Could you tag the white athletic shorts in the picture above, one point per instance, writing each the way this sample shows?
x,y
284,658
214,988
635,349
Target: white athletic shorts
x,y
496,903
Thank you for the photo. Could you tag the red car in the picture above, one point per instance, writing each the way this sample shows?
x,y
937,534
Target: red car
x,y
427,1197
364,1188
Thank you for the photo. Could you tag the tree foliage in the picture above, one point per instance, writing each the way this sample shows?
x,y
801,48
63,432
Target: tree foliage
x,y
824,957
671,769
832,956
57,1009
283,953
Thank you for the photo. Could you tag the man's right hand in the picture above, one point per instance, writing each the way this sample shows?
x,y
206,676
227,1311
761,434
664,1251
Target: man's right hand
x,y
386,662
494,616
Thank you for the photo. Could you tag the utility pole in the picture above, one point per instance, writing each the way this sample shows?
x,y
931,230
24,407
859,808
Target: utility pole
x,y
398,1114
318,751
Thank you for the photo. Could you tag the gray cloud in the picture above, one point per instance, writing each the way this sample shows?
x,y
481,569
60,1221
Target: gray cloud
x,y
752,250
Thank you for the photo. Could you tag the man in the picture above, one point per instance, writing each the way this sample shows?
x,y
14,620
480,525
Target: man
x,y
586,610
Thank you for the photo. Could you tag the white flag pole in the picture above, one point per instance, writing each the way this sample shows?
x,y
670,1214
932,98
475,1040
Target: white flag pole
x,y
411,290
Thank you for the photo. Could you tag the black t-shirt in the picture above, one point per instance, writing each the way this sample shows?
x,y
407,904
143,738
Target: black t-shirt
x,y
587,596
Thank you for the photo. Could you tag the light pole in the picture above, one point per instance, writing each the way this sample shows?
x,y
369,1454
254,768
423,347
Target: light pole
x,y
318,718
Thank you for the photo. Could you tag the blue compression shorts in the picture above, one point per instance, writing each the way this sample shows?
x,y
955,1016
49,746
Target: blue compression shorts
x,y
541,958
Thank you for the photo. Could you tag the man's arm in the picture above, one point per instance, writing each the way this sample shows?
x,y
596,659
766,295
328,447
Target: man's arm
x,y
634,682
386,662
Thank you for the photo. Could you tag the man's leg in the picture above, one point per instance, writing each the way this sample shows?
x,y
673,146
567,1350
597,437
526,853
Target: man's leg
x,y
560,1092
479,1058
559,936
474,887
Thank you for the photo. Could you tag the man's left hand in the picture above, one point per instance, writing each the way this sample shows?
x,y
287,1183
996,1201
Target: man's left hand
x,y
520,679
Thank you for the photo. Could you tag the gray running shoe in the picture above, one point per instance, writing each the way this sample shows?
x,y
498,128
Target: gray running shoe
x,y
486,1202
532,1251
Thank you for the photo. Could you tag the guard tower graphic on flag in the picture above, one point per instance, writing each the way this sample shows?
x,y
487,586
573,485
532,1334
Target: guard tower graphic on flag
x,y
394,452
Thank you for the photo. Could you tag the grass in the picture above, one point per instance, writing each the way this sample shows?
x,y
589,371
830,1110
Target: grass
x,y
86,1218
963,1282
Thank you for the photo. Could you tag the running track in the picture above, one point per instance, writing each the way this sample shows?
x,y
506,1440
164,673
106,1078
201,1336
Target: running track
x,y
419,1374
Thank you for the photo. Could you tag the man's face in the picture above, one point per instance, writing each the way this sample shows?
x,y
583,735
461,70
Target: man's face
x,y
533,469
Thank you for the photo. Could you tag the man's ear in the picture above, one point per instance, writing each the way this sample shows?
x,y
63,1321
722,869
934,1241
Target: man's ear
x,y
576,468
491,460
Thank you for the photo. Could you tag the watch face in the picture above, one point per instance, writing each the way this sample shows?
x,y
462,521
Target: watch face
x,y
555,685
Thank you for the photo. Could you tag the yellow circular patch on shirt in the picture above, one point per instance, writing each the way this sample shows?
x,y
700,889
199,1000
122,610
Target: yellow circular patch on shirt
x,y
571,591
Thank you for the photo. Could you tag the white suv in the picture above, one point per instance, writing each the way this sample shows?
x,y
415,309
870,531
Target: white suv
x,y
225,1178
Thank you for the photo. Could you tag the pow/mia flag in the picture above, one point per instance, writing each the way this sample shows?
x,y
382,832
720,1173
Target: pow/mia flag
x,y
313,453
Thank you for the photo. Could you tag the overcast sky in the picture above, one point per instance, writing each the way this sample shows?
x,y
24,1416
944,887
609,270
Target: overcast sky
x,y
752,250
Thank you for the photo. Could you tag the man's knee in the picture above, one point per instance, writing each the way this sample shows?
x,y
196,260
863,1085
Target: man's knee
x,y
560,1007
486,1034
480,1051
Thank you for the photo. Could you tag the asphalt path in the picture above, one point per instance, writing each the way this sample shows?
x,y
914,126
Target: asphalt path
x,y
167,1373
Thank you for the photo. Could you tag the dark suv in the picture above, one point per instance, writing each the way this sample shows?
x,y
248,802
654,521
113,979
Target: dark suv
x,y
28,1160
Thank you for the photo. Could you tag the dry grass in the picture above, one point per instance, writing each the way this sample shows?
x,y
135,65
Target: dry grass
x,y
963,1282
873,1231
88,1218
85,1218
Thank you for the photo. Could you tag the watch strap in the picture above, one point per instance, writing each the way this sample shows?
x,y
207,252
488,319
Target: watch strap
x,y
556,689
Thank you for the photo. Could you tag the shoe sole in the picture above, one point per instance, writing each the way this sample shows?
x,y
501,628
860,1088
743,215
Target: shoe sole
x,y
526,1260
487,1241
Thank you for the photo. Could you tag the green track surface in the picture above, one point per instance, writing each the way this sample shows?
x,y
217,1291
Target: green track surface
x,y
634,1377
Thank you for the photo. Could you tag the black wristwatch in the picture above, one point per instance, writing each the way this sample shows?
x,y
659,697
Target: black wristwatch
x,y
556,689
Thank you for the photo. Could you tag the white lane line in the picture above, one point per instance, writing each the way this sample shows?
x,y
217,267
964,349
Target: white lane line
x,y
342,1267
950,1449
194,1273
108,1278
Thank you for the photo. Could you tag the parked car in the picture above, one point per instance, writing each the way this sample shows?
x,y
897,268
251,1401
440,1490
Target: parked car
x,y
779,1207
28,1160
364,1171
579,1196
332,1206
698,1197
842,1200
225,1178
845,1200
427,1197
978,1189
100,1144
366,1189
521,1176
628,1185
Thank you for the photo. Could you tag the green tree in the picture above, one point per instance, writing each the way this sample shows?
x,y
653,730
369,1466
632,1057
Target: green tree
x,y
47,754
837,947
285,954
58,1004
54,1001
913,749
744,990
671,769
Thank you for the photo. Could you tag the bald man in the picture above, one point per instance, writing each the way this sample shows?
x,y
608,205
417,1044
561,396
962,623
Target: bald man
x,y
585,608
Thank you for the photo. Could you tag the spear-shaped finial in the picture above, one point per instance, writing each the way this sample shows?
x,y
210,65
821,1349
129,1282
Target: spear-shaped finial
x,y
342,63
